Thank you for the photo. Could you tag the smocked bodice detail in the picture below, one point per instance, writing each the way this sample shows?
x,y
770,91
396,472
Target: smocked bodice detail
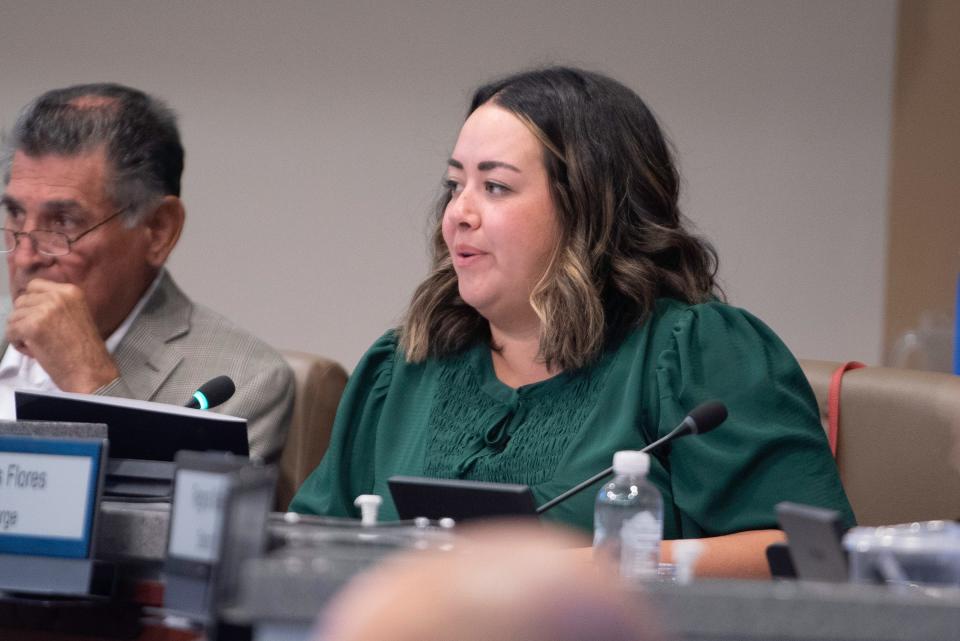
x,y
481,429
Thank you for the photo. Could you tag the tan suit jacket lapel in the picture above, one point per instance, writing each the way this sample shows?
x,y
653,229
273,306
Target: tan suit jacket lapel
x,y
142,356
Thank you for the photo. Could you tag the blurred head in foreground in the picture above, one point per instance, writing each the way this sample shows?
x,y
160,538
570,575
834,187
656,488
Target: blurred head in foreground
x,y
503,583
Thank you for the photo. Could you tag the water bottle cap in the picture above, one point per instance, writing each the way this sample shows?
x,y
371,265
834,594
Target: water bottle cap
x,y
631,462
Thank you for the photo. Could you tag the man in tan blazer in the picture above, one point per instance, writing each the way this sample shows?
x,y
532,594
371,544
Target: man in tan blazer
x,y
91,211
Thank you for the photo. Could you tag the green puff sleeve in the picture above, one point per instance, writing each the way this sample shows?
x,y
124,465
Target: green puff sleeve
x,y
346,470
772,447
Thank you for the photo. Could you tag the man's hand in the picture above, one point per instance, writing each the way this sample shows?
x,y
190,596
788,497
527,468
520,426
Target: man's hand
x,y
52,323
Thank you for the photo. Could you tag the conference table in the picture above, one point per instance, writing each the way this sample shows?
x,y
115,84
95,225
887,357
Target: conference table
x,y
280,593
282,603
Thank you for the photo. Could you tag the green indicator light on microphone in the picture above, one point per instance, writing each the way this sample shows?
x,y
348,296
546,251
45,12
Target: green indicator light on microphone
x,y
201,399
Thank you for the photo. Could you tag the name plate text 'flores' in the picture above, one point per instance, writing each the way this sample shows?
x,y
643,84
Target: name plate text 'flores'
x,y
47,495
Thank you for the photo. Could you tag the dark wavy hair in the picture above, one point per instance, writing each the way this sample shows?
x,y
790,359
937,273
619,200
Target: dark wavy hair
x,y
138,131
623,240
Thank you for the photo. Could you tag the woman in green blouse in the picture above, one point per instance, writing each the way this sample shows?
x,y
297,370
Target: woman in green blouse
x,y
569,314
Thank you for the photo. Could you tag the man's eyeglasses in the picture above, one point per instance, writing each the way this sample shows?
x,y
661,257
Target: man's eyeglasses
x,y
49,243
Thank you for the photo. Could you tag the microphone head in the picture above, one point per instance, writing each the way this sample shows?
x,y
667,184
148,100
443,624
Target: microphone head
x,y
706,416
214,392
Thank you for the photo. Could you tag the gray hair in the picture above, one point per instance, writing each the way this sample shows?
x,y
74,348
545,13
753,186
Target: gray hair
x,y
138,132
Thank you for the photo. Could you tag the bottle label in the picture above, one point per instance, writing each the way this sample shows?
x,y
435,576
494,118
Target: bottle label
x,y
640,546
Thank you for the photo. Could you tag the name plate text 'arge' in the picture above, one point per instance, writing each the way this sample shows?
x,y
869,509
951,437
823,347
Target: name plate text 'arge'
x,y
47,495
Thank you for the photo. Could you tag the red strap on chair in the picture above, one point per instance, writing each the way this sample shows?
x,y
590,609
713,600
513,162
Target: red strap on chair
x,y
833,403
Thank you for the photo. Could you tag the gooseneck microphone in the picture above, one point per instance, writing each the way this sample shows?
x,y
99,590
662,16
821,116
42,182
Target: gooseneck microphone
x,y
700,420
212,393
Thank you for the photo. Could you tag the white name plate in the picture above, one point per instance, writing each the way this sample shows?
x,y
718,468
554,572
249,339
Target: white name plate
x,y
48,492
197,521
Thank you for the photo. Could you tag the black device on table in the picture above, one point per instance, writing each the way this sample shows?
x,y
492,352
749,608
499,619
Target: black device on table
x,y
144,436
814,550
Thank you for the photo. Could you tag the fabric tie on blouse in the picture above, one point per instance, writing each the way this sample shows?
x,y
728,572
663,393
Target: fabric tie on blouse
x,y
496,426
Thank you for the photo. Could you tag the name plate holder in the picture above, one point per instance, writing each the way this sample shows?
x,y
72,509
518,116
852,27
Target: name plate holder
x,y
218,520
49,499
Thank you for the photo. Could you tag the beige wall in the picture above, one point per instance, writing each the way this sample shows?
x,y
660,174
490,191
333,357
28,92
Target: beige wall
x,y
924,237
317,134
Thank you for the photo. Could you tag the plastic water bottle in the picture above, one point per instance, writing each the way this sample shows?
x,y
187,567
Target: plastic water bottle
x,y
628,520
